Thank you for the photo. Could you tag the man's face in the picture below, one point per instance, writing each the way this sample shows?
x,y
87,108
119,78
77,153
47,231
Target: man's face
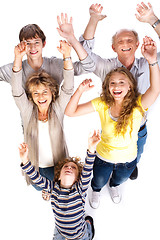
x,y
34,48
125,44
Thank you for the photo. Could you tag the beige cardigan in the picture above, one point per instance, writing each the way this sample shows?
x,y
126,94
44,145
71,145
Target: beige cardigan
x,y
29,115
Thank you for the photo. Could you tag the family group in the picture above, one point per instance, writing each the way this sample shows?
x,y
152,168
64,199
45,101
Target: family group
x,y
43,90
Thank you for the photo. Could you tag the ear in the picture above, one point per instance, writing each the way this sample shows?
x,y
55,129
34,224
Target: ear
x,y
137,44
44,44
113,48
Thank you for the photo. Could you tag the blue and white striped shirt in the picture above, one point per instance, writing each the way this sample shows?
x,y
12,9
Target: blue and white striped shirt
x,y
68,205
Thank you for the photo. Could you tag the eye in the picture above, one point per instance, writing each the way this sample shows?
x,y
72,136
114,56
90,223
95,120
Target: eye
x,y
28,43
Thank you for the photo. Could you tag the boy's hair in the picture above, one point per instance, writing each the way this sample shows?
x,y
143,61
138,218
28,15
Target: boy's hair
x,y
129,102
44,78
62,162
129,30
31,31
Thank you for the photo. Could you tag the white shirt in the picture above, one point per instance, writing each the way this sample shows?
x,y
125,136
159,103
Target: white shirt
x,y
45,151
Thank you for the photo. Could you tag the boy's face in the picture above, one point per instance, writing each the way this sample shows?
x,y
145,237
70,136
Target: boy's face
x,y
125,44
68,174
34,48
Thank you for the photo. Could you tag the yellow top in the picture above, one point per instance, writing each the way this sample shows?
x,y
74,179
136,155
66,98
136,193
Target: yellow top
x,y
117,148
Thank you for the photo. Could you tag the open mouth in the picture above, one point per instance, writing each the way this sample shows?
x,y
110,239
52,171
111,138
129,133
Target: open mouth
x,y
42,102
126,50
117,92
33,53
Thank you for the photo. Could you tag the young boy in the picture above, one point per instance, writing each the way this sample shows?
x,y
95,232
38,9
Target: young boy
x,y
32,42
68,192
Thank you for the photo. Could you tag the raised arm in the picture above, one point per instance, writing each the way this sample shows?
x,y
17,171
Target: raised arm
x,y
146,14
65,49
19,52
149,51
66,31
73,108
96,15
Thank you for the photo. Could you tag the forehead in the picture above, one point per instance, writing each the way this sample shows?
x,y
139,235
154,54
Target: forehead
x,y
72,164
32,40
39,87
125,34
118,76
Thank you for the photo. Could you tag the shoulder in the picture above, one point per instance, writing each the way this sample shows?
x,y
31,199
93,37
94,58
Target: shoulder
x,y
98,103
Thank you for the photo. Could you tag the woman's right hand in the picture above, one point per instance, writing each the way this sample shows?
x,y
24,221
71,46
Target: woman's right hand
x,y
20,50
85,85
65,48
23,152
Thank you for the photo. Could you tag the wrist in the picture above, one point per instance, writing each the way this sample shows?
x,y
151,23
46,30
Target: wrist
x,y
152,63
154,25
91,150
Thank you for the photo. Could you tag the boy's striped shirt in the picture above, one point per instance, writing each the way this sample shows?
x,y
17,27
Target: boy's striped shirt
x,y
67,204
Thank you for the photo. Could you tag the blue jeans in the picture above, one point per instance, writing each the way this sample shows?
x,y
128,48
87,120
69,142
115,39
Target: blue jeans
x,y
102,171
86,236
45,172
142,136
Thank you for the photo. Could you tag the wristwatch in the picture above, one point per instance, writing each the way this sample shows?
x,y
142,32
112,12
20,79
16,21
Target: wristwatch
x,y
156,23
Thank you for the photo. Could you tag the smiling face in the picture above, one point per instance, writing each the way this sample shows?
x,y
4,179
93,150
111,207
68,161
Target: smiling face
x,y
118,86
41,96
34,48
68,175
125,44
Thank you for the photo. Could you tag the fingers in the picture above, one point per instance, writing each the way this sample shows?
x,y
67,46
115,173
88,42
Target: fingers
x,y
63,19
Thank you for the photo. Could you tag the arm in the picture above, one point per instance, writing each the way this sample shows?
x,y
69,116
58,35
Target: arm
x,y
145,14
30,170
66,30
88,165
74,109
149,51
95,16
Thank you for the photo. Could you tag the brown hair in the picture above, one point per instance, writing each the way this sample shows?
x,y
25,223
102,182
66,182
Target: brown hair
x,y
31,31
44,78
61,163
129,102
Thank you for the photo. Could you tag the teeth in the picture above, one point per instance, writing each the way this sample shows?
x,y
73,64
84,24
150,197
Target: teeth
x,y
42,101
128,49
117,92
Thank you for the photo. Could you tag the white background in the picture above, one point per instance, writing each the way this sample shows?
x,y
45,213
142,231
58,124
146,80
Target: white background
x,y
23,213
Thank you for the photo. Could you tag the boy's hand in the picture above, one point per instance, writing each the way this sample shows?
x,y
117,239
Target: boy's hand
x,y
20,50
85,85
93,140
149,50
65,49
23,152
65,29
95,11
145,13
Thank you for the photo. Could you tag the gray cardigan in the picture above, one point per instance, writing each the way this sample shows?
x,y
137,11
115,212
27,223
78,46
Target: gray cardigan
x,y
29,115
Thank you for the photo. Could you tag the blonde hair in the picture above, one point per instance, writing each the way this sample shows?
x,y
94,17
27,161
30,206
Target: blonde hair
x,y
129,101
44,78
62,162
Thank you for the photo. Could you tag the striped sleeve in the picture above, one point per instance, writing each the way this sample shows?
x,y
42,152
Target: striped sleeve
x,y
86,172
36,177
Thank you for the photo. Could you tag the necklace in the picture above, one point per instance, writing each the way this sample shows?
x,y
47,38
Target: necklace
x,y
42,118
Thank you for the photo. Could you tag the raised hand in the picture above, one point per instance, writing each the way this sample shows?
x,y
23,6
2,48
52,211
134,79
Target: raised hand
x,y
149,50
93,140
65,49
65,29
95,11
85,85
145,13
23,152
20,50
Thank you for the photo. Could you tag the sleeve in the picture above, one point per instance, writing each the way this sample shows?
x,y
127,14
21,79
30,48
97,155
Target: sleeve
x,y
6,72
139,101
36,177
96,103
84,66
66,89
19,93
103,66
86,172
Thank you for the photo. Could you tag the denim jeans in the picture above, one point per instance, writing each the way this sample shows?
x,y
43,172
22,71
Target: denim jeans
x,y
86,236
142,136
118,173
45,172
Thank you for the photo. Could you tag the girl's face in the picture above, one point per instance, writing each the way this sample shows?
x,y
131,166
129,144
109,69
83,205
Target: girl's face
x,y
118,86
42,96
68,174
